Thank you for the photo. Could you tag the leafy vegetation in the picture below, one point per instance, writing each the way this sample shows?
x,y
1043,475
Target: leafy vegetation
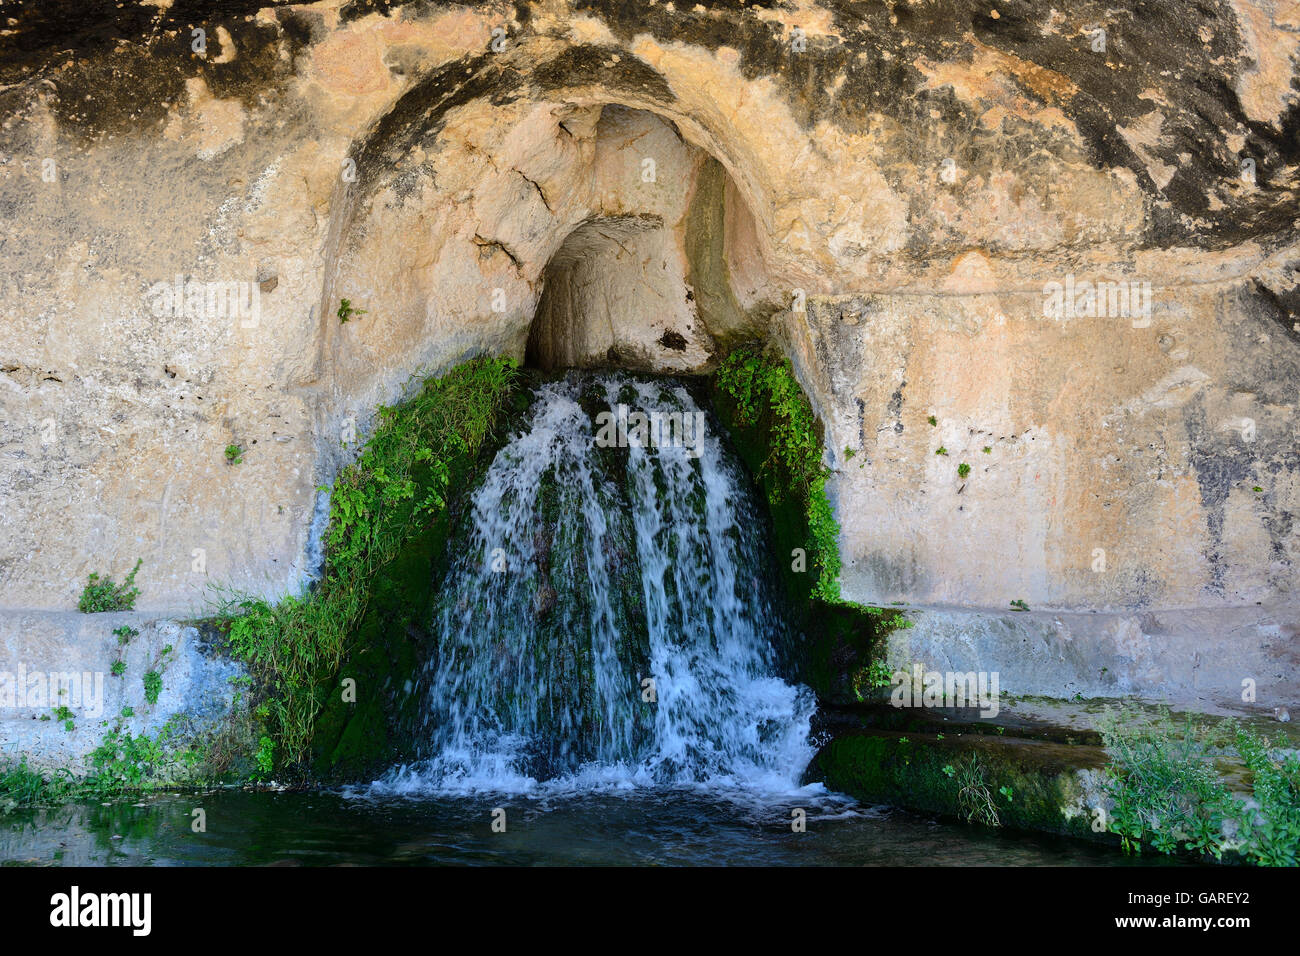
x,y
234,454
153,684
124,635
963,470
398,485
104,595
122,763
1019,605
137,763
764,387
346,310
1168,794
758,394
875,674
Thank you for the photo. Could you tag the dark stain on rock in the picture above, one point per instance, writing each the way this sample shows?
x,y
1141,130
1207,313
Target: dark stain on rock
x,y
1282,308
119,67
114,64
673,340
609,67
420,114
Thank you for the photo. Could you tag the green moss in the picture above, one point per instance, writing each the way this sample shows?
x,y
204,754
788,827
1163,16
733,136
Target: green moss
x,y
384,526
772,426
928,773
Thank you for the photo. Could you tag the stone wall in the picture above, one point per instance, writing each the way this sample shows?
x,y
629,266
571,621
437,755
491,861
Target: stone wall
x,y
890,188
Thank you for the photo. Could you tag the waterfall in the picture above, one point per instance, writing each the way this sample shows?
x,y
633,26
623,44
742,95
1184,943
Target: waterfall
x,y
608,615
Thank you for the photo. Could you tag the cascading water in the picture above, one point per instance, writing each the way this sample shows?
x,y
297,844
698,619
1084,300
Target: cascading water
x,y
608,616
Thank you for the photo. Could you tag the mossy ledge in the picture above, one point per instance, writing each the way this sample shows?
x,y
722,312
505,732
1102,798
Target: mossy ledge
x,y
1030,784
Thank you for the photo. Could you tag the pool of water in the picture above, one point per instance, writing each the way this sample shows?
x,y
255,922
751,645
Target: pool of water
x,y
640,827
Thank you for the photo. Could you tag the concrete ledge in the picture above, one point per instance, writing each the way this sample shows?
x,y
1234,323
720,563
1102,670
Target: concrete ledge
x,y
49,651
1195,659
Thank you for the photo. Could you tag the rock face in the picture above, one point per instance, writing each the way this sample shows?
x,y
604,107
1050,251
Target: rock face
x,y
1069,237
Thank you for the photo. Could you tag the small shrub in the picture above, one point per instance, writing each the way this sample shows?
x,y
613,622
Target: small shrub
x,y
153,686
265,756
104,595
153,683
346,311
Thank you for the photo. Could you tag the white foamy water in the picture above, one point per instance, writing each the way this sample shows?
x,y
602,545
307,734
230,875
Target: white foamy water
x,y
580,573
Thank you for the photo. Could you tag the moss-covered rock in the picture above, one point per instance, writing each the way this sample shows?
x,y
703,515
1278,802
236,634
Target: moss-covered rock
x,y
1030,784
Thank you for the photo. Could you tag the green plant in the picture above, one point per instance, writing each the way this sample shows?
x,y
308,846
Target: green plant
x,y
1006,792
124,634
875,674
849,452
398,485
932,420
1019,605
1270,833
265,756
153,683
764,387
106,596
22,787
963,470
1162,780
346,311
941,450
974,801
234,454
988,450
949,770
124,762
119,667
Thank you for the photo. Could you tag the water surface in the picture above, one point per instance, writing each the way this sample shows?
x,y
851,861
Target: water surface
x,y
641,827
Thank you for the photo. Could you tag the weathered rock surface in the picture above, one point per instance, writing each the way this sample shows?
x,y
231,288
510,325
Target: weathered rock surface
x,y
889,187
53,660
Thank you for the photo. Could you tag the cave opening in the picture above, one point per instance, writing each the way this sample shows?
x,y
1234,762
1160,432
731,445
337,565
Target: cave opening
x,y
649,281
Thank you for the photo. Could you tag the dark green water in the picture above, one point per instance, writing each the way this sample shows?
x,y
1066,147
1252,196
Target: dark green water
x,y
649,827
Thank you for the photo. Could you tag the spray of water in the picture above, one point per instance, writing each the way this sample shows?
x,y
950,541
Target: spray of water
x,y
607,618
